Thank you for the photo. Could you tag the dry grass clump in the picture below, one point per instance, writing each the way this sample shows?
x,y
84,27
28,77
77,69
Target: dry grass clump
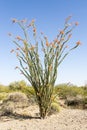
x,y
17,97
14,100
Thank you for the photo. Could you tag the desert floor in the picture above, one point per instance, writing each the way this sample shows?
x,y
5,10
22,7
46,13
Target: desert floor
x,y
66,119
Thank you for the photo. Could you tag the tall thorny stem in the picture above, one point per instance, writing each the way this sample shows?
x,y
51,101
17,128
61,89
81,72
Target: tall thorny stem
x,y
42,75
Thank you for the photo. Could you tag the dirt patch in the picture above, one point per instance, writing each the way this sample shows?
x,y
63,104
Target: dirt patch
x,y
67,119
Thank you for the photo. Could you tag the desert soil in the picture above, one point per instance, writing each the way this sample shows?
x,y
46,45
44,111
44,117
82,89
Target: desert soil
x,y
66,119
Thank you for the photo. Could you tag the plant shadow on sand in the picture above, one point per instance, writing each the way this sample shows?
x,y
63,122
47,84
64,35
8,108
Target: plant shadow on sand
x,y
16,116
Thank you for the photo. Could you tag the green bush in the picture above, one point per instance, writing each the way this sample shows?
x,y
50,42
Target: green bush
x,y
74,96
4,89
21,86
65,91
17,86
3,95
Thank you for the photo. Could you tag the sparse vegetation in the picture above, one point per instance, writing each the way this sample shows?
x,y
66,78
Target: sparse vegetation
x,y
73,95
65,90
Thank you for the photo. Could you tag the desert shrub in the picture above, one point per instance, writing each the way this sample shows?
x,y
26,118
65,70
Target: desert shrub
x,y
85,102
75,102
65,91
16,86
3,95
84,91
21,86
84,97
74,96
4,89
17,97
13,101
29,91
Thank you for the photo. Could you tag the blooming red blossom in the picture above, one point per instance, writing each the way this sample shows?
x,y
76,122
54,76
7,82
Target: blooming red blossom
x,y
78,43
53,45
69,36
17,54
62,32
68,18
16,67
34,30
17,48
12,51
32,23
47,43
14,20
32,48
76,23
56,40
18,38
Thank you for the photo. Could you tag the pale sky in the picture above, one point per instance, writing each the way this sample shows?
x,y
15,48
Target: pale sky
x,y
49,16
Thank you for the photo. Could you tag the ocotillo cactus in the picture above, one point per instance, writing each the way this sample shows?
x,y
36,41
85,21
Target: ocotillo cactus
x,y
42,73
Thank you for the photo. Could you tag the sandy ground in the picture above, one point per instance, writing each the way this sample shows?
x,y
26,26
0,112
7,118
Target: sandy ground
x,y
67,119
